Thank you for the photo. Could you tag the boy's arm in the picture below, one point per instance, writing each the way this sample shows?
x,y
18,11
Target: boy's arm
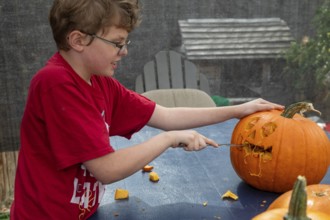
x,y
186,118
124,162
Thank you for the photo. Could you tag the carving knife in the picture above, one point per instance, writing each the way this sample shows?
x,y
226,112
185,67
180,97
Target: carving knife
x,y
220,145
231,145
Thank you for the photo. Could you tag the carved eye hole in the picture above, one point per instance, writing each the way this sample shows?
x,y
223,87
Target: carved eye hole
x,y
252,123
252,134
268,129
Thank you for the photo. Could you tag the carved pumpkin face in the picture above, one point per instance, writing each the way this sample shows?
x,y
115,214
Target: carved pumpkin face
x,y
277,149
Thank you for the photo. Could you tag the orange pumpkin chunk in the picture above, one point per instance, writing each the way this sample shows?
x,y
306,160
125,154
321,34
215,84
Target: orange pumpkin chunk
x,y
147,168
230,194
121,194
153,176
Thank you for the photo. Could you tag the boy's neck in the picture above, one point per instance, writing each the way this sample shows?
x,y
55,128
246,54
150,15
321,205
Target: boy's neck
x,y
70,58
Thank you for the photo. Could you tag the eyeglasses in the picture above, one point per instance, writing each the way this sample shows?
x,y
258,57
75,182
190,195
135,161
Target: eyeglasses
x,y
122,47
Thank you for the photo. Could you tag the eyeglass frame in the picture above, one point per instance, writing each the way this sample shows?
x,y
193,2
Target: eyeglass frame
x,y
121,47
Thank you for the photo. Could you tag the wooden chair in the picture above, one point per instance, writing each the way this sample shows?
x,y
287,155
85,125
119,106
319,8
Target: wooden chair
x,y
170,70
180,97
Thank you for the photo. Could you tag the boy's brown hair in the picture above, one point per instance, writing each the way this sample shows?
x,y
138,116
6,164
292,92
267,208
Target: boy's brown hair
x,y
91,16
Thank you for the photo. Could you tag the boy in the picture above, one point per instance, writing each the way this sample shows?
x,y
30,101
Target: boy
x,y
74,106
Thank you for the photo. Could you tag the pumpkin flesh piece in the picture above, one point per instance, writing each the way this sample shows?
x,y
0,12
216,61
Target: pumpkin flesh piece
x,y
121,194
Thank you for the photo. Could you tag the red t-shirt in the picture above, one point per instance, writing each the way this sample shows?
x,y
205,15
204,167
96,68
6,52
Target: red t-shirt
x,y
66,122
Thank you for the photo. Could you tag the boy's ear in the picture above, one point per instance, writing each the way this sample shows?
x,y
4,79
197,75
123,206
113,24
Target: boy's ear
x,y
77,40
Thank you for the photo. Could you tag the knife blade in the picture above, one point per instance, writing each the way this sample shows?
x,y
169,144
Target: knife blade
x,y
219,145
231,145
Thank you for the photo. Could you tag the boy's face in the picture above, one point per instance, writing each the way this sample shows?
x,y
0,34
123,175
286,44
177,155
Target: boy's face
x,y
101,57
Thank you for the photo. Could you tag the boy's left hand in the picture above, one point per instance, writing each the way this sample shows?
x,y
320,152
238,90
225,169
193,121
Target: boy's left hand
x,y
256,106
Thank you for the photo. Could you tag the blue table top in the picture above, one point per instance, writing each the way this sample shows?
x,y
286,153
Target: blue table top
x,y
187,181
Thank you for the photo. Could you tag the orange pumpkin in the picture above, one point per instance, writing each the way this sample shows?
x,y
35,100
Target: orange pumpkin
x,y
278,214
318,199
277,147
297,206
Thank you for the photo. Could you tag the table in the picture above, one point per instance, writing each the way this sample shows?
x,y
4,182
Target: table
x,y
187,181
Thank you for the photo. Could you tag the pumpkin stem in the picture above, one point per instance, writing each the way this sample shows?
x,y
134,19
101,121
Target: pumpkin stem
x,y
299,107
298,201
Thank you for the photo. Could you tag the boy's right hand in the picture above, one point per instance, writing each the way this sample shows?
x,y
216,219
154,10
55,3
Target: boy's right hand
x,y
190,140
